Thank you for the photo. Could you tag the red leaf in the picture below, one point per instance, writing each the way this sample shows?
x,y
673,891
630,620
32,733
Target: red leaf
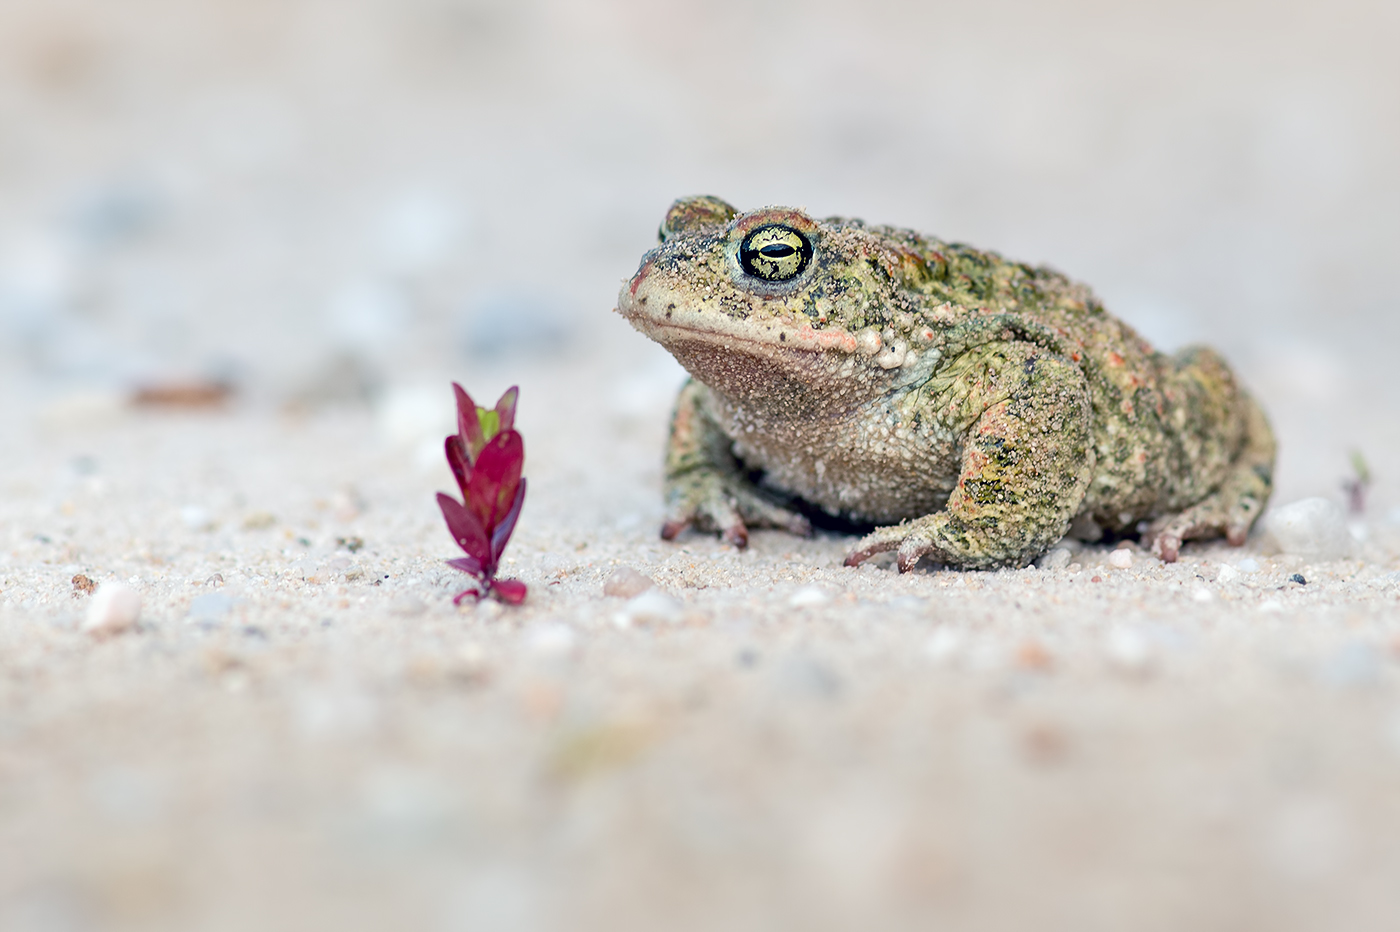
x,y
466,565
458,460
495,477
474,593
502,531
505,408
467,531
468,424
510,591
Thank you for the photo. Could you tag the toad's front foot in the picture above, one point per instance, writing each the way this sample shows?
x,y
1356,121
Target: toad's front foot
x,y
911,540
710,500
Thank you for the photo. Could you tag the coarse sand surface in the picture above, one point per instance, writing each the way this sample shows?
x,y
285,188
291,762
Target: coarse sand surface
x,y
246,246
304,732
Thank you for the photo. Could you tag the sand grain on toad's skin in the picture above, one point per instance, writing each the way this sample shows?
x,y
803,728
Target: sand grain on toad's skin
x,y
972,409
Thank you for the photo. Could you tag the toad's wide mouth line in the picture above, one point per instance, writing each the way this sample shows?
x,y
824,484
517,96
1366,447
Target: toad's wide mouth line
x,y
804,339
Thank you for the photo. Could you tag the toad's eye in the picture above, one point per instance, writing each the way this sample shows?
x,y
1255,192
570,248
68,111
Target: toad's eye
x,y
775,253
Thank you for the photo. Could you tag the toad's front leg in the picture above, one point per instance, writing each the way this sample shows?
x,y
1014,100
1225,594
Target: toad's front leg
x,y
705,486
1027,459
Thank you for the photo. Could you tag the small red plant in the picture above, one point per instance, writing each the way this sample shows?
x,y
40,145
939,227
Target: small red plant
x,y
486,455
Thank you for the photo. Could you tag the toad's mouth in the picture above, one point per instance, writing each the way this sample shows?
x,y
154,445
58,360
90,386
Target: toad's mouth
x,y
774,374
665,319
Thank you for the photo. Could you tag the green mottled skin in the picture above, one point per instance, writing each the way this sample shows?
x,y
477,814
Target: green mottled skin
x,y
971,407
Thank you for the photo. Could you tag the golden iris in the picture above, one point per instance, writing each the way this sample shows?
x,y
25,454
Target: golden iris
x,y
775,253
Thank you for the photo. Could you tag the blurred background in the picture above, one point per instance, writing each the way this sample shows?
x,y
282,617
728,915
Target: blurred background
x,y
317,201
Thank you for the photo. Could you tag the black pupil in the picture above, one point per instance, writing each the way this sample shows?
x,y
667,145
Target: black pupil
x,y
777,251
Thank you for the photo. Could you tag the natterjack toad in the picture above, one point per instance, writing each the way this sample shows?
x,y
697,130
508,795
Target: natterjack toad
x,y
972,409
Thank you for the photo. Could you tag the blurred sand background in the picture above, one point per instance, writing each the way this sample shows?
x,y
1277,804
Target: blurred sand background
x,y
337,208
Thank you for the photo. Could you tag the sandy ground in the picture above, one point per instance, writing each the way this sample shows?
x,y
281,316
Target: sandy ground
x,y
341,208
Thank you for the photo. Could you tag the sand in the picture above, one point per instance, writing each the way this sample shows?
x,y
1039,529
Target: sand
x,y
337,211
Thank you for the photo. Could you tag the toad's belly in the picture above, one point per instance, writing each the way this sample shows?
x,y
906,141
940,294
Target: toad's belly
x,y
859,467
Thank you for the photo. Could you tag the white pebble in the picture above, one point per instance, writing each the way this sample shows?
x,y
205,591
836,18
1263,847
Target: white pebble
x,y
552,639
1202,595
196,518
114,608
1122,559
651,606
1313,527
1227,573
1248,565
210,608
809,597
1129,650
943,646
626,583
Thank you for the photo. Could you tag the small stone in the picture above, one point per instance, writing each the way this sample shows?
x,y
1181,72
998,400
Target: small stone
x,y
408,606
1056,558
809,677
1387,581
943,646
210,608
1313,527
196,518
1202,594
114,608
1227,573
1298,578
1032,655
553,639
652,606
809,597
1120,559
627,583
1248,565
1129,651
82,585
1352,664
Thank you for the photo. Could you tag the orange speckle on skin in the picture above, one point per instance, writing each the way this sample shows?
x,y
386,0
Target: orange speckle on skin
x,y
826,339
1114,359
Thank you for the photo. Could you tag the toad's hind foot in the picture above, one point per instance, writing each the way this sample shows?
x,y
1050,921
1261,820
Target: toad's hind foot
x,y
1232,509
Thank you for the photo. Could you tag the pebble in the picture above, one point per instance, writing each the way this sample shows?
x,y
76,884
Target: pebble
x,y
114,608
1227,573
1129,650
196,518
1248,565
210,607
1122,559
1353,664
259,520
943,646
1056,558
627,583
652,606
553,639
809,597
1313,527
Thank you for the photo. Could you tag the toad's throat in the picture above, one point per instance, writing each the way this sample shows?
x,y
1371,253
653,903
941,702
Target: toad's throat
x,y
779,383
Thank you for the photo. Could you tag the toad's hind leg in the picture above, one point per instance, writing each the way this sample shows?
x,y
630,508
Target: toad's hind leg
x,y
1236,504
